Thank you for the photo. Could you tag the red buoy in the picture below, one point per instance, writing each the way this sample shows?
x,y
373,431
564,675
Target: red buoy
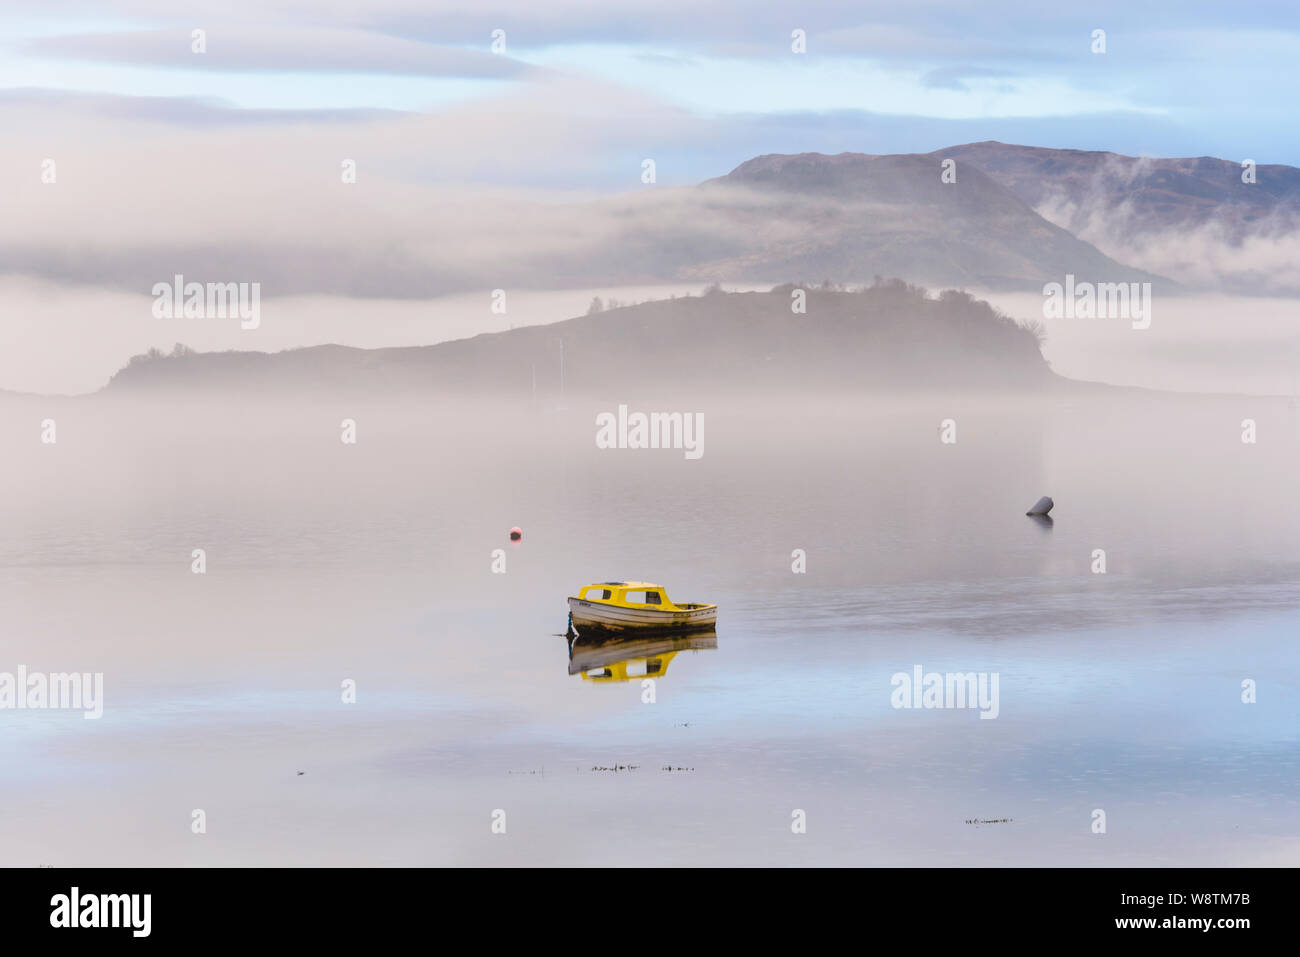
x,y
516,533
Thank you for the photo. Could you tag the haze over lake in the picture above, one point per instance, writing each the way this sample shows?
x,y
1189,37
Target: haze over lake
x,y
372,562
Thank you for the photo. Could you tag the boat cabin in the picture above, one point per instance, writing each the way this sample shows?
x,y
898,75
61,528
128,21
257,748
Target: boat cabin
x,y
627,595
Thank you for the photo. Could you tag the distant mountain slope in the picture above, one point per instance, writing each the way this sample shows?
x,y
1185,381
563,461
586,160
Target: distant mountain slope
x,y
890,336
808,217
1159,194
1193,220
852,216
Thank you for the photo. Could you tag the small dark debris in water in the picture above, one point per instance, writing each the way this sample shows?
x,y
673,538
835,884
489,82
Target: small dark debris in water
x,y
992,820
684,724
301,773
671,768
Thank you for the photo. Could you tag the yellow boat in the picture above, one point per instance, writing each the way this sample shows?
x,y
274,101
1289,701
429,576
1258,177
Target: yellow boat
x,y
636,607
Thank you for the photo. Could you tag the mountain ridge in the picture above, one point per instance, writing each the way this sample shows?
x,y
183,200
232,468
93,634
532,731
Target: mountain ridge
x,y
896,214
1162,192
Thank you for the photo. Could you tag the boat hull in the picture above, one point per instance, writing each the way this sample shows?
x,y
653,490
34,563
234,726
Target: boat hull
x,y
594,616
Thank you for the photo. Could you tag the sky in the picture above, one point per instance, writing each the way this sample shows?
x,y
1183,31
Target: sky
x,y
490,134
1175,78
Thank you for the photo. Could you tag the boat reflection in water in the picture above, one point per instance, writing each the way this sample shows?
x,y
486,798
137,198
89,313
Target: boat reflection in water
x,y
608,658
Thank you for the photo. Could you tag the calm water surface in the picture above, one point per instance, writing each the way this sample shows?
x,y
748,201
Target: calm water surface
x,y
372,562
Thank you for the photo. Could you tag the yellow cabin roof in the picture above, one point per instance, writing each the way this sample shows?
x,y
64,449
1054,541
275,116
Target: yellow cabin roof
x,y
616,594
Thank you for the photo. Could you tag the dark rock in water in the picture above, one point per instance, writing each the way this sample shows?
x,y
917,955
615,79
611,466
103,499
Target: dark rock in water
x,y
1042,506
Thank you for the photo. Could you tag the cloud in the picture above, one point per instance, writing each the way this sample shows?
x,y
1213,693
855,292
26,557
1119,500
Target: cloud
x,y
174,110
663,59
137,199
1220,250
953,77
490,193
1161,58
281,50
1209,256
487,194
1009,27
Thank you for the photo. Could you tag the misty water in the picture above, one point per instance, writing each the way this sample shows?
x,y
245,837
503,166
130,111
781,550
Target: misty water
x,y
373,562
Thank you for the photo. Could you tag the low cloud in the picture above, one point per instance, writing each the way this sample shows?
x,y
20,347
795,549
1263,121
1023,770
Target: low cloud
x,y
136,200
955,77
269,49
1222,249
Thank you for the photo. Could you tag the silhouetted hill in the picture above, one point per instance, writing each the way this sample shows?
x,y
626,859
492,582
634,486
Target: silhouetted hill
x,y
889,336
